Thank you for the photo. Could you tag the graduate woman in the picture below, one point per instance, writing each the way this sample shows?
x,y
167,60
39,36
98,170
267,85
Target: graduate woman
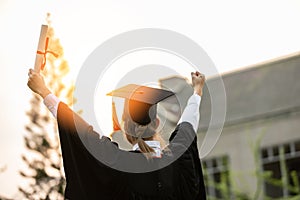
x,y
95,168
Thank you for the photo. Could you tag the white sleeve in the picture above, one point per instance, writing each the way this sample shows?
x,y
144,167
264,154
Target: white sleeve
x,y
51,102
191,112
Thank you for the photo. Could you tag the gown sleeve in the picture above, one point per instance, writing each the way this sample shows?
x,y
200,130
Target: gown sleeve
x,y
189,183
86,176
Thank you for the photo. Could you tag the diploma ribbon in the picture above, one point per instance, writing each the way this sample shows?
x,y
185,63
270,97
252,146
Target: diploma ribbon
x,y
45,53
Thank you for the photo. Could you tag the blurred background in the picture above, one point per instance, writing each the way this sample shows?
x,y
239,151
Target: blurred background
x,y
254,45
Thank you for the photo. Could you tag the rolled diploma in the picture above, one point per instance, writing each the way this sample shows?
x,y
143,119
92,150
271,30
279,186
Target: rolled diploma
x,y
41,47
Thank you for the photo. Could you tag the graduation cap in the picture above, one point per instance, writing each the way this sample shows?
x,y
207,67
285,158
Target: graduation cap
x,y
140,101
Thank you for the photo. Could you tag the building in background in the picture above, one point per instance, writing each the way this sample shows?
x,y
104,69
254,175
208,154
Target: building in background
x,y
263,109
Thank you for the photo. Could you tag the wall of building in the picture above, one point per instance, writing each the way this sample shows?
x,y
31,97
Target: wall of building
x,y
237,141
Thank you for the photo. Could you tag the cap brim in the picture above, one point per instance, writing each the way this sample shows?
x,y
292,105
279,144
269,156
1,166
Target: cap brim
x,y
142,94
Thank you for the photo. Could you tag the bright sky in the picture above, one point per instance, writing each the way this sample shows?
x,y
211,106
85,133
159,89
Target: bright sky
x,y
233,33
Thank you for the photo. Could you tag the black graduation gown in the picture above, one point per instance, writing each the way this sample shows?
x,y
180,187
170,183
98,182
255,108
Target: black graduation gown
x,y
88,178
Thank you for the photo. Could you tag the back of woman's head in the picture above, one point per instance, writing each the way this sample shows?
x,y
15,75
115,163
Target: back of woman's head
x,y
140,123
139,115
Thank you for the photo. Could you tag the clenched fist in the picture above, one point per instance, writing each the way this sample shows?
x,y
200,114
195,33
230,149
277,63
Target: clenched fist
x,y
198,81
37,84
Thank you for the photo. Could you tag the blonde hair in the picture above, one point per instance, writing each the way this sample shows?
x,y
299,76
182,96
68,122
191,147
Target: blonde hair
x,y
134,133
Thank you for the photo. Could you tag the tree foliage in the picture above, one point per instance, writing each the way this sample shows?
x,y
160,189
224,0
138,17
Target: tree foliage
x,y
44,170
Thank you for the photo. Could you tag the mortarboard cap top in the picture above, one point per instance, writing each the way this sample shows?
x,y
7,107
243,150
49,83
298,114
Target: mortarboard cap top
x,y
142,94
139,99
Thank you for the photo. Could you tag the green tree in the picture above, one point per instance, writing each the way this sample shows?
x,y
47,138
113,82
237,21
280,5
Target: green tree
x,y
44,170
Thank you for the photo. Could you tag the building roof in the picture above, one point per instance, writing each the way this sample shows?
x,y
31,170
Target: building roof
x,y
258,91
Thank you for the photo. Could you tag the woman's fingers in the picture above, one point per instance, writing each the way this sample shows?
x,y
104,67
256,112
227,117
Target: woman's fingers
x,y
32,72
197,74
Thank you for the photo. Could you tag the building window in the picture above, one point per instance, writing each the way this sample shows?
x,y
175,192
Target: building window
x,y
216,175
281,166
